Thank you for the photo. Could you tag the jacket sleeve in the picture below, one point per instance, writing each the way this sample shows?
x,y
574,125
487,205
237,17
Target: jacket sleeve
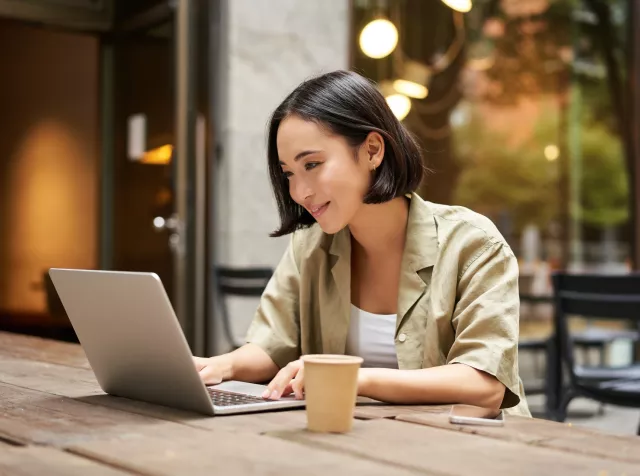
x,y
276,324
486,318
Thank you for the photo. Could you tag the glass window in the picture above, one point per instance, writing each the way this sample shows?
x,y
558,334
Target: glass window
x,y
521,119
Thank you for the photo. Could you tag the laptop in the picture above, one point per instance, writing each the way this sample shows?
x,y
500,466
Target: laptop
x,y
136,348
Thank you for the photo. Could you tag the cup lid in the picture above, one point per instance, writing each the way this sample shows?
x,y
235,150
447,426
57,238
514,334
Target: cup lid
x,y
334,359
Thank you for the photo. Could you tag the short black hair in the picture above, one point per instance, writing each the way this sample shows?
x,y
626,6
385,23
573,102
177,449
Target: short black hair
x,y
351,106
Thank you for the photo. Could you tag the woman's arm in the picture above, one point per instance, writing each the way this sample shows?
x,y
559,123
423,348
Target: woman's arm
x,y
455,383
273,336
249,363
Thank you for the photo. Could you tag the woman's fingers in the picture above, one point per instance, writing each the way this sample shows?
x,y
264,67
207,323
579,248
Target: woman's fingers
x,y
297,384
211,376
281,383
199,362
209,372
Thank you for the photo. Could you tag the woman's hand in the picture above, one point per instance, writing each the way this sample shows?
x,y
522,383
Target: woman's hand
x,y
290,379
212,370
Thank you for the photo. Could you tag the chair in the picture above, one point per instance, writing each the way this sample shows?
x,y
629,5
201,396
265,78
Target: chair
x,y
246,282
601,297
590,338
534,345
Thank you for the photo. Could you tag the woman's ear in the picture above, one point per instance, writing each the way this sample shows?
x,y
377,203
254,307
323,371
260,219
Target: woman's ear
x,y
374,147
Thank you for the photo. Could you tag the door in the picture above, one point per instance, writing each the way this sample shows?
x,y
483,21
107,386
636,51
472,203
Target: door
x,y
155,151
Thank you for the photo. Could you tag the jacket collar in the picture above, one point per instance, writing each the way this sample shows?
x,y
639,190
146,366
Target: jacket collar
x,y
420,253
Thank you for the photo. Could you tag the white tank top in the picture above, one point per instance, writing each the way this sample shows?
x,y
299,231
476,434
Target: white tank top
x,y
371,336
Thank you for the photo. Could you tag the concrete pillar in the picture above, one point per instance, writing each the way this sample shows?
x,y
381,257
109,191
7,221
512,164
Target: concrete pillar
x,y
267,48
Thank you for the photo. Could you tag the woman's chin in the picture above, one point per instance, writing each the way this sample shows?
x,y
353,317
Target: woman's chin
x,y
330,227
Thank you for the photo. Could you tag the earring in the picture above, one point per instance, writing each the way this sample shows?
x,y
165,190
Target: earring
x,y
374,167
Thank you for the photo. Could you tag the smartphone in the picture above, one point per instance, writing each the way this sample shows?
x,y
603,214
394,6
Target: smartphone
x,y
470,415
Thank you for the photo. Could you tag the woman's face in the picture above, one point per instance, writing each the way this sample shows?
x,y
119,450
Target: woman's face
x,y
324,176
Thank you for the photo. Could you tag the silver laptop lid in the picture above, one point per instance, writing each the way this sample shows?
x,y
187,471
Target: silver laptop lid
x,y
131,336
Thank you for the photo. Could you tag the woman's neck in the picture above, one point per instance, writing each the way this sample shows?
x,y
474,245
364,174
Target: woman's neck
x,y
381,227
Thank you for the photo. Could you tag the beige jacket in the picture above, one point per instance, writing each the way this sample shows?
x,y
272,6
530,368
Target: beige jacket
x,y
458,300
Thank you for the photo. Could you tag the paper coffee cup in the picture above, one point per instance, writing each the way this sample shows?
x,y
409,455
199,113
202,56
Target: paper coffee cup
x,y
331,390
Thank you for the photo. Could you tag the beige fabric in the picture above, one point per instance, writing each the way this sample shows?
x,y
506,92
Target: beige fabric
x,y
458,300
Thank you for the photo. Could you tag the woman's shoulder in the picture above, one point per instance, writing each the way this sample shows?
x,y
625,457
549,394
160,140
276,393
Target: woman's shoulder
x,y
465,235
463,224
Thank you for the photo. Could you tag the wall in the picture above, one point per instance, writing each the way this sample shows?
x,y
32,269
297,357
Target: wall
x,y
48,159
268,48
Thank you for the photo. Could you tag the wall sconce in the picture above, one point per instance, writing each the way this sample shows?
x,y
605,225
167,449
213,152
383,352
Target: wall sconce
x,y
158,156
158,152
378,38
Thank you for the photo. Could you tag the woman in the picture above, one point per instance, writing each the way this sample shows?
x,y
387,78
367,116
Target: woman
x,y
427,294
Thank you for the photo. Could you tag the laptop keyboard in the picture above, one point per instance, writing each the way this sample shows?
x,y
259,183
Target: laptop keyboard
x,y
223,398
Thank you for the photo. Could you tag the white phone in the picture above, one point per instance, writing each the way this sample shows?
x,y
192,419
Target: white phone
x,y
470,415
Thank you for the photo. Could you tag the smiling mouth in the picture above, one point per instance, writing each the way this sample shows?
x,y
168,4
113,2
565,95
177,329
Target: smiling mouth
x,y
317,211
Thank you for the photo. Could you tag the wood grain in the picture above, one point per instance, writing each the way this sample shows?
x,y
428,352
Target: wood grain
x,y
393,411
81,386
544,433
223,452
54,419
39,461
40,418
44,350
423,448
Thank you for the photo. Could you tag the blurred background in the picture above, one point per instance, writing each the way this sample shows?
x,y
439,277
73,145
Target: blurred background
x,y
132,137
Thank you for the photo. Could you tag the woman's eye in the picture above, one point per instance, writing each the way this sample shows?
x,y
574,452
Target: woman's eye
x,y
286,174
311,165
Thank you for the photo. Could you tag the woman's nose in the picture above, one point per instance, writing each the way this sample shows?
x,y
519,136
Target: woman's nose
x,y
300,190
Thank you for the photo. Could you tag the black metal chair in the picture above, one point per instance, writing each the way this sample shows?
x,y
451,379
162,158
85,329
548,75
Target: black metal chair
x,y
604,297
536,346
245,282
590,338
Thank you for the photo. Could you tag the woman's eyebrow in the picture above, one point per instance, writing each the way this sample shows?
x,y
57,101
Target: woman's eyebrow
x,y
302,155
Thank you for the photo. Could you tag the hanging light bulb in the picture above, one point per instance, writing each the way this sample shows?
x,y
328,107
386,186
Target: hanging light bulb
x,y
411,89
462,6
399,104
378,38
414,80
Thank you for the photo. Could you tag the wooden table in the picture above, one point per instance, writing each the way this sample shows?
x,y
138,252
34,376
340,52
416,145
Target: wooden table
x,y
55,420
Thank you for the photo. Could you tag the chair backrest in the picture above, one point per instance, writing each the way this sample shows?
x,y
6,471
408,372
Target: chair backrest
x,y
593,296
243,282
598,296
